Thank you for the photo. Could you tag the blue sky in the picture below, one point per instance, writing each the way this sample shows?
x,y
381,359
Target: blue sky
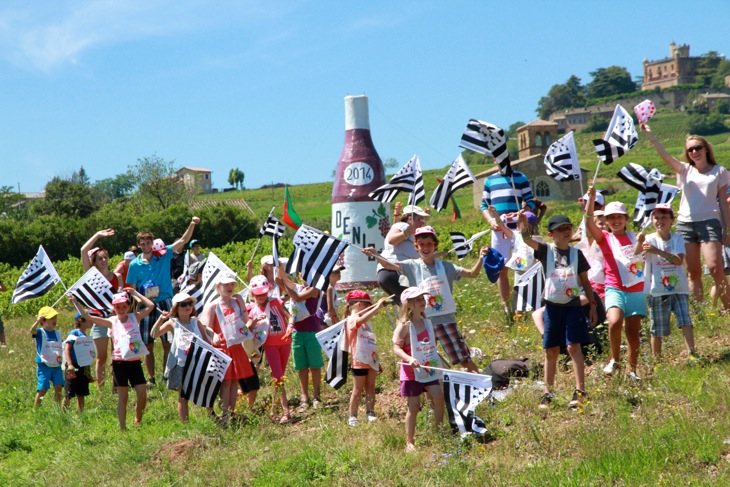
x,y
260,85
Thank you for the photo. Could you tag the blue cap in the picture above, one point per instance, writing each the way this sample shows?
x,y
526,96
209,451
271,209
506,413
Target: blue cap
x,y
493,264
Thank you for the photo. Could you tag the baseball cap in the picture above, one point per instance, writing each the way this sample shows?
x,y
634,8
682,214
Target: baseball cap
x,y
267,260
531,218
47,312
425,230
120,298
615,208
412,292
158,247
180,297
259,285
493,263
664,207
408,209
93,252
358,296
225,279
193,243
129,255
600,199
338,268
558,221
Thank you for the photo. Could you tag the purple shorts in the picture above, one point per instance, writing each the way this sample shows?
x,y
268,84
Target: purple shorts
x,y
413,388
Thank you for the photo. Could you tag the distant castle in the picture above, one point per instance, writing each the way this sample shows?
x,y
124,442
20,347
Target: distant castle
x,y
678,69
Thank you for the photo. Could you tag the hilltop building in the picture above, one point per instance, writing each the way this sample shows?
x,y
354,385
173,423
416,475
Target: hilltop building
x,y
533,141
196,179
678,69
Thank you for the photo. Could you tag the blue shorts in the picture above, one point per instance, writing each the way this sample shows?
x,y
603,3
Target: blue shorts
x,y
564,325
661,309
631,304
46,375
306,350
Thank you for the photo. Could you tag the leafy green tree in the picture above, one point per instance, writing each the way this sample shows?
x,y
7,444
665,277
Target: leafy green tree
x,y
110,189
158,186
570,94
232,177
718,77
9,201
390,163
614,80
67,197
707,67
240,176
235,178
700,124
596,123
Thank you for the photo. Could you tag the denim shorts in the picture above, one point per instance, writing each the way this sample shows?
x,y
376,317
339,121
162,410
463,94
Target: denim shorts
x,y
700,232
630,303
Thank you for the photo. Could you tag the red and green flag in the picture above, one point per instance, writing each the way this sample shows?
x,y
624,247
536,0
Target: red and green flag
x,y
290,216
456,213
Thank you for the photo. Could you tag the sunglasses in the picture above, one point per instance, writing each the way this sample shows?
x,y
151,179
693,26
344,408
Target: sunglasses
x,y
185,304
695,148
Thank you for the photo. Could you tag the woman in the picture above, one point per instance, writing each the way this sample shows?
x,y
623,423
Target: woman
x,y
99,257
702,215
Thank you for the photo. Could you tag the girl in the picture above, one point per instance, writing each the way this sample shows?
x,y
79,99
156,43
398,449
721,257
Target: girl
x,y
306,348
267,270
703,211
277,346
229,309
98,257
184,323
127,349
415,343
361,341
624,271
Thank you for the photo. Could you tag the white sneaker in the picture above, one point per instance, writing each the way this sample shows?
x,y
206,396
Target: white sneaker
x,y
610,367
353,421
634,378
372,417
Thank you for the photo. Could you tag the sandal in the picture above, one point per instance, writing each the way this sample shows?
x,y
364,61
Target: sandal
x,y
284,419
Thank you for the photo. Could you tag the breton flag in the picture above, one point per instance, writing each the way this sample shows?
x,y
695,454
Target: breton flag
x,y
195,291
409,178
315,254
93,290
642,213
214,267
462,246
620,137
561,159
272,227
37,279
649,185
458,176
528,289
463,391
203,373
487,138
333,343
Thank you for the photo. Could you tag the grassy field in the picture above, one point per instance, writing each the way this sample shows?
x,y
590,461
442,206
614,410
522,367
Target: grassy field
x,y
672,429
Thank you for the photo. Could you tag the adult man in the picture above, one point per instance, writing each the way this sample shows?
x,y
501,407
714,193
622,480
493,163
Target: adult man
x,y
149,273
507,195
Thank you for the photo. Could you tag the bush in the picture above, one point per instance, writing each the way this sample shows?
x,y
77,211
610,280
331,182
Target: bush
x,y
713,123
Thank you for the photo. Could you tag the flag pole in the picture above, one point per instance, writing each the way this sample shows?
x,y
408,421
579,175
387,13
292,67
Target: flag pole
x,y
595,176
258,242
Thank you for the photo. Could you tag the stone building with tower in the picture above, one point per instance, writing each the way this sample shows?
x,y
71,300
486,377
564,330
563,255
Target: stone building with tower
x,y
678,69
533,141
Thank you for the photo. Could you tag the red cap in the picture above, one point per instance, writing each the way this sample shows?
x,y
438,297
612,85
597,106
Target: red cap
x,y
357,295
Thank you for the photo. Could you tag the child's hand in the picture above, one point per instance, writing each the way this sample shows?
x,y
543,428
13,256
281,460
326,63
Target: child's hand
x,y
522,221
109,232
591,193
216,341
382,302
414,363
71,298
370,251
483,251
289,331
650,249
640,238
71,373
645,127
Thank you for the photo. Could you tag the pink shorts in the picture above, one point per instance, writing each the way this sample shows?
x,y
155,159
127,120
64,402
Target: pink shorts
x,y
278,357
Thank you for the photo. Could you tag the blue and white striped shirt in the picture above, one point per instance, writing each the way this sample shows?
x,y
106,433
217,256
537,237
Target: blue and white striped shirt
x,y
498,192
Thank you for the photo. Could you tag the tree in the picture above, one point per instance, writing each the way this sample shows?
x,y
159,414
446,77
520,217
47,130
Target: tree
x,y
110,189
707,67
232,177
158,186
614,80
390,163
67,197
570,94
9,200
235,178
239,178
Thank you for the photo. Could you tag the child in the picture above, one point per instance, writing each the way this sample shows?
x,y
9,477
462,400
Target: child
x,y
184,323
49,354
414,342
362,346
307,350
624,271
78,351
667,281
437,278
565,269
127,350
277,347
229,311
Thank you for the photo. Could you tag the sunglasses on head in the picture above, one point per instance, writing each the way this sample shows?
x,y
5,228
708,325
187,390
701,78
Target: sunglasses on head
x,y
695,148
185,304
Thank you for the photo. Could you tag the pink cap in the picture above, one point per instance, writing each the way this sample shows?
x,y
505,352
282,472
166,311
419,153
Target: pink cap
x,y
259,285
357,295
664,207
412,292
158,247
615,208
425,230
120,298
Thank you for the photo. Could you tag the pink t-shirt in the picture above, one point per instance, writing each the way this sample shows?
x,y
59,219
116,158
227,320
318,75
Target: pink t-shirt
x,y
352,328
406,371
613,279
699,192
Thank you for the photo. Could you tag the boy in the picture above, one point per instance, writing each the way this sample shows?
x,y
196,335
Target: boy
x,y
78,353
566,268
437,277
668,287
48,354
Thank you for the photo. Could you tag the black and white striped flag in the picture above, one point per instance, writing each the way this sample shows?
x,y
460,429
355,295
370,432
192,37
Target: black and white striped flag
x,y
620,137
37,279
647,201
195,291
463,391
333,343
561,159
409,178
462,246
528,289
648,183
93,290
203,373
272,227
214,267
487,138
458,176
315,254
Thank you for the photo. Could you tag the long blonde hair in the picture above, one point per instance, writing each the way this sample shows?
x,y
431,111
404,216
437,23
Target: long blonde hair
x,y
406,312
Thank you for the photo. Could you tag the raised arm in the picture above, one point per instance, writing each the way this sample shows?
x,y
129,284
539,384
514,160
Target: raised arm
x,y
365,316
475,271
591,226
371,252
148,304
178,245
674,163
97,320
85,261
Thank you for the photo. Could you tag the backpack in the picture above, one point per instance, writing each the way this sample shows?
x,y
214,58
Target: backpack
x,y
502,369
